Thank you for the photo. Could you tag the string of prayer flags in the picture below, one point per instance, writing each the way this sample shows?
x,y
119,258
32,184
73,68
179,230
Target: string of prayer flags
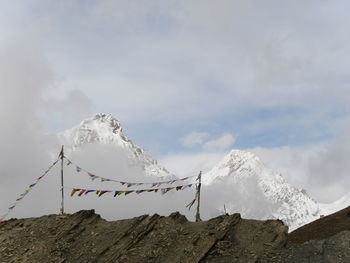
x,y
128,184
30,187
126,192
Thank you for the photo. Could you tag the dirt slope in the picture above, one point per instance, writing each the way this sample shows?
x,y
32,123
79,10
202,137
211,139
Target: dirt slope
x,y
322,228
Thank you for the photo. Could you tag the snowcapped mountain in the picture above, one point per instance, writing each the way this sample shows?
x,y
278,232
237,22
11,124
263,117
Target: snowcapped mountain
x,y
260,192
240,183
105,129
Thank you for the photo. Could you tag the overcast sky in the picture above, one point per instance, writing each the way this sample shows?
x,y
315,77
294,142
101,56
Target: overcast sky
x,y
188,80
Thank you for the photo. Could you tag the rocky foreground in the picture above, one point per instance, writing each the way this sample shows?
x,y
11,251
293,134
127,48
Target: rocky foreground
x,y
86,237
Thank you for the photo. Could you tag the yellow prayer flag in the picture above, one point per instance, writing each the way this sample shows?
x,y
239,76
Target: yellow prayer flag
x,y
74,190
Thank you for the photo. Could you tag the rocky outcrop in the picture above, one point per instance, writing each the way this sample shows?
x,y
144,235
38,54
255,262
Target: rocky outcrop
x,y
86,237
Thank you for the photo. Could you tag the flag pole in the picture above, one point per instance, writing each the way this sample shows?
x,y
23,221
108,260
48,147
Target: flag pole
x,y
62,192
198,216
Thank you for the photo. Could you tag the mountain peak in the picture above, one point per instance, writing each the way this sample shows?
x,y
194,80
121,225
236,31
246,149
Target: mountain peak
x,y
253,183
108,119
105,129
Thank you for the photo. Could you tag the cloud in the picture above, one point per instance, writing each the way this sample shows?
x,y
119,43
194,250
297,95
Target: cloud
x,y
220,144
28,146
209,67
193,139
185,164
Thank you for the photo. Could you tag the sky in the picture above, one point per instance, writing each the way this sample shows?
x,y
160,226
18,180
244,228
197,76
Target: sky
x,y
188,80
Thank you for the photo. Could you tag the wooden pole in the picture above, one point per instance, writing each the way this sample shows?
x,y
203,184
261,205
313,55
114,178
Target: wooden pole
x,y
62,192
198,216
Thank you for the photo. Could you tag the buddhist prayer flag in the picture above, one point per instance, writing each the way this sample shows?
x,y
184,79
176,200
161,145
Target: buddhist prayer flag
x,y
102,192
74,190
92,176
82,192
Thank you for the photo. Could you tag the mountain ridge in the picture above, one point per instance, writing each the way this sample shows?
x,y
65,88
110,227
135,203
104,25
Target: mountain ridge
x,y
85,237
262,192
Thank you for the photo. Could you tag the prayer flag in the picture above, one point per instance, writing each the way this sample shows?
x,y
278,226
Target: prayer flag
x,y
12,207
191,204
89,191
102,192
105,180
128,192
74,190
120,192
139,191
78,169
81,192
178,188
19,199
92,176
69,163
32,185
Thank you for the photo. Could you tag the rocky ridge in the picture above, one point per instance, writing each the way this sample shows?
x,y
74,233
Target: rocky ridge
x,y
86,237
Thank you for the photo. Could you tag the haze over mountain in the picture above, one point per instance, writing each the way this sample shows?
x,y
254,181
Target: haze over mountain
x,y
240,182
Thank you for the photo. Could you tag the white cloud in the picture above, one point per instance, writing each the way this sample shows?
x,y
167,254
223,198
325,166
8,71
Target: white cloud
x,y
193,139
220,144
248,54
185,164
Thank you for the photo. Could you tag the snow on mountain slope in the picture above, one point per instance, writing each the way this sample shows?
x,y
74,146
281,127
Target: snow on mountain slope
x,y
339,204
240,182
105,129
261,193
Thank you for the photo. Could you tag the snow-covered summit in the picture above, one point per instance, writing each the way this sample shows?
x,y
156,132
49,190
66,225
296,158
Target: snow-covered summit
x,y
105,129
261,193
240,182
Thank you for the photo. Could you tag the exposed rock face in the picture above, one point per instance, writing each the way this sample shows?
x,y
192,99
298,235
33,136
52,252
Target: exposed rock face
x,y
85,237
